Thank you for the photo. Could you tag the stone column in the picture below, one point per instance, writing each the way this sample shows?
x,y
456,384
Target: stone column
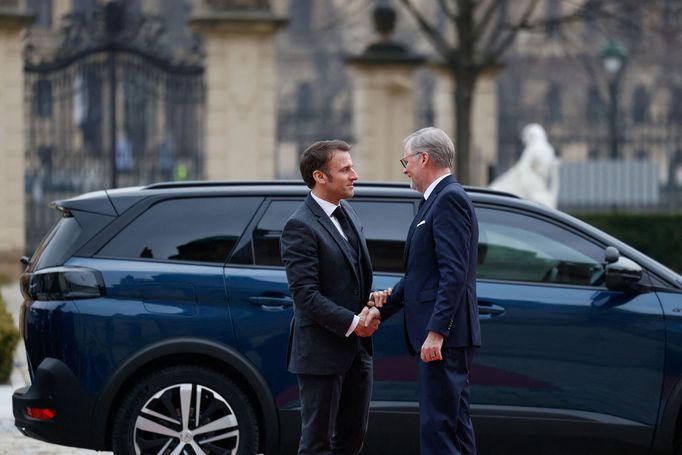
x,y
483,120
384,102
241,109
60,8
384,111
12,241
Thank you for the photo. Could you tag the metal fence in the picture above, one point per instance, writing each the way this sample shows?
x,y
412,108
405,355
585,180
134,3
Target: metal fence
x,y
108,110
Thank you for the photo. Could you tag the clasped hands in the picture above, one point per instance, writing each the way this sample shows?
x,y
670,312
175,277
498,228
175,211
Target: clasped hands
x,y
370,318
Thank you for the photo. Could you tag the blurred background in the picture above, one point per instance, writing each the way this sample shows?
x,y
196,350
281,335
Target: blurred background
x,y
98,94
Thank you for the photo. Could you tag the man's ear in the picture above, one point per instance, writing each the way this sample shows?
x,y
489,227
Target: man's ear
x,y
320,177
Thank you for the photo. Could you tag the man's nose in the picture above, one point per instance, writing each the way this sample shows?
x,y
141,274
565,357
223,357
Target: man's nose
x,y
353,175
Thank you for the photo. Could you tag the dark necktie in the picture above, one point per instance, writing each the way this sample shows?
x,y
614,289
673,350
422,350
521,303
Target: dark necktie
x,y
421,204
345,227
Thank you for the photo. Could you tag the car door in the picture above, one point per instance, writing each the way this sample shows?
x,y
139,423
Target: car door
x,y
394,402
163,273
567,366
261,308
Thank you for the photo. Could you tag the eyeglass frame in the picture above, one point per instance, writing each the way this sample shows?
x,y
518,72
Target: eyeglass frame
x,y
403,160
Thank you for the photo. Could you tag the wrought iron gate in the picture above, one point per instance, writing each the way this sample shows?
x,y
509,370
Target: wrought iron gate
x,y
109,108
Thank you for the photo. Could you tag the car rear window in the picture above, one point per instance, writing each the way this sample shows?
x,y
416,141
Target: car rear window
x,y
190,229
57,245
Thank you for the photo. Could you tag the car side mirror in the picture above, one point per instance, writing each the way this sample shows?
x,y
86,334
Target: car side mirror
x,y
622,274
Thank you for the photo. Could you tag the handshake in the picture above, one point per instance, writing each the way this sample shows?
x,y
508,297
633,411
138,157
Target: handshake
x,y
370,318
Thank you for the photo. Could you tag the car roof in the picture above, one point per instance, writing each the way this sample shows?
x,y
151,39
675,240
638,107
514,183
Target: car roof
x,y
120,199
116,201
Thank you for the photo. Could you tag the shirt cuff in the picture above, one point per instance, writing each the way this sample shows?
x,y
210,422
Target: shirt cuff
x,y
353,325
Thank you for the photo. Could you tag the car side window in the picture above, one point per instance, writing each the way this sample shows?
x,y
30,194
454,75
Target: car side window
x,y
189,229
516,247
386,224
268,231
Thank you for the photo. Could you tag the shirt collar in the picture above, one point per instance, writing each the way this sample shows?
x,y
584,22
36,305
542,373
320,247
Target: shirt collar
x,y
429,190
327,206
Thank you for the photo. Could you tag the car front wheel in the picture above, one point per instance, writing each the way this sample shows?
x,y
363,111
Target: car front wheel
x,y
185,410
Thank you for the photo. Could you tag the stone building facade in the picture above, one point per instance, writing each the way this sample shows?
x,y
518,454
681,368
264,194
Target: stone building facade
x,y
278,75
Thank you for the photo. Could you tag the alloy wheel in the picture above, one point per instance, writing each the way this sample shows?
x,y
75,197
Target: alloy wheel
x,y
186,419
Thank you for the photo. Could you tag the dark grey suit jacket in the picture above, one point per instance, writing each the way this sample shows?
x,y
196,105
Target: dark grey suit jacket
x,y
327,287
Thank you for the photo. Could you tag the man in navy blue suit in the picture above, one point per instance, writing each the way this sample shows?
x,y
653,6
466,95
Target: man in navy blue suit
x,y
438,294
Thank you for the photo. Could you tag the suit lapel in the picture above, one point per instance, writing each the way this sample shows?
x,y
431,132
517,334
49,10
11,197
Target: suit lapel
x,y
364,252
333,232
423,210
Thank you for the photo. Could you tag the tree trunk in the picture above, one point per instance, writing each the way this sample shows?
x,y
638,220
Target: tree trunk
x,y
465,82
465,75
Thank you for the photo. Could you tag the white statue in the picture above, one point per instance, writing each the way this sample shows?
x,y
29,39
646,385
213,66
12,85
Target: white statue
x,y
536,175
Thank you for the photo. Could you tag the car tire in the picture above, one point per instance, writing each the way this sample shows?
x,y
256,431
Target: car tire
x,y
159,414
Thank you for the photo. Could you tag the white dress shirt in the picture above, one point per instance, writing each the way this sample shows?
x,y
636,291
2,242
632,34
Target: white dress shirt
x,y
329,208
429,190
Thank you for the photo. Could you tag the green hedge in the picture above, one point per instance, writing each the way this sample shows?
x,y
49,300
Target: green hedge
x,y
658,236
9,337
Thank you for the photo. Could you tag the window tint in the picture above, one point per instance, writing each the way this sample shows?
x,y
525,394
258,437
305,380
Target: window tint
x,y
269,230
192,229
56,248
516,247
386,225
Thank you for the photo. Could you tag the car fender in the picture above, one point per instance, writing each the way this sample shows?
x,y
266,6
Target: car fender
x,y
192,346
664,439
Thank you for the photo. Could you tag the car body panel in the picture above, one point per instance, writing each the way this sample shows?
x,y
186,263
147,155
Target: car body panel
x,y
146,302
564,368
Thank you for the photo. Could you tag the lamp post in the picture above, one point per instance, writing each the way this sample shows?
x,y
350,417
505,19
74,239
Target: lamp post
x,y
613,57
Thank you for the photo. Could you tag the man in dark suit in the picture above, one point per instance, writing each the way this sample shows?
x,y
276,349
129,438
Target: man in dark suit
x,y
438,294
330,275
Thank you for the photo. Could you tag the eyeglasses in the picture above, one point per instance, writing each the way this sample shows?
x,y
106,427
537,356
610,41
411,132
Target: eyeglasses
x,y
403,161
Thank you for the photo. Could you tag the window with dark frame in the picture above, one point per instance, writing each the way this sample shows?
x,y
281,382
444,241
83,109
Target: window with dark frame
x,y
517,247
188,229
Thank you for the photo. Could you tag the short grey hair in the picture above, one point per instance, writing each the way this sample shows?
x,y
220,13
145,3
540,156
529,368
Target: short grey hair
x,y
436,143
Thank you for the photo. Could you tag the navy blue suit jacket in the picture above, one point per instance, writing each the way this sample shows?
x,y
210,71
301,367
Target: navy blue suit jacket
x,y
438,290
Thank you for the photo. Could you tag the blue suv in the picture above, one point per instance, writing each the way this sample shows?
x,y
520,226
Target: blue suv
x,y
156,320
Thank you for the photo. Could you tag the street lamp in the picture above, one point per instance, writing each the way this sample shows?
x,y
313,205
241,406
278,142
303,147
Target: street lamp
x,y
613,56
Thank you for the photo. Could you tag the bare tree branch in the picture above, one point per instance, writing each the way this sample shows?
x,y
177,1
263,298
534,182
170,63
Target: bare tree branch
x,y
448,12
596,9
444,48
496,52
488,14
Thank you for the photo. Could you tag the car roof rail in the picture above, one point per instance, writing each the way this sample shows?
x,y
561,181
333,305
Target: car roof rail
x,y
376,184
215,183
482,190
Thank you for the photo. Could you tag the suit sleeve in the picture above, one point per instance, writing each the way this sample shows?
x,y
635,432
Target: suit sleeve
x,y
452,230
301,258
394,302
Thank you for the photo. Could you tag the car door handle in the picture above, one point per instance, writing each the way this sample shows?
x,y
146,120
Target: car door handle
x,y
489,310
272,303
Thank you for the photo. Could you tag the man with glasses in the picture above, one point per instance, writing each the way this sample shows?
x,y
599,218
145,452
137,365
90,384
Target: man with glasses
x,y
329,273
438,294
